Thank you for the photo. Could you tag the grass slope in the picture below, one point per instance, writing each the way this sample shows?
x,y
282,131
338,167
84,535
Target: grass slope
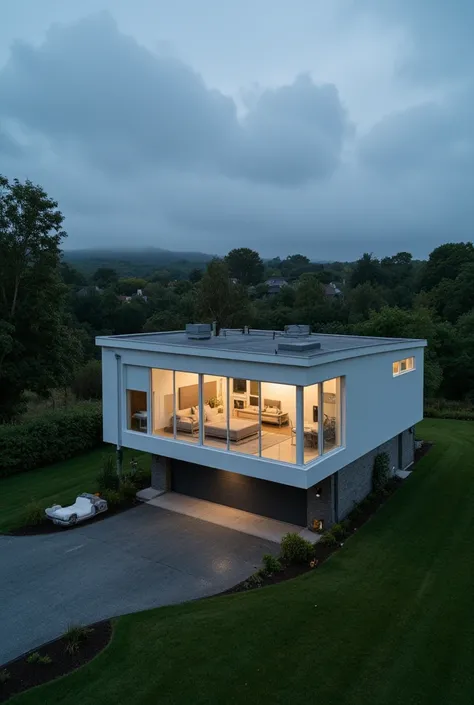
x,y
388,620
59,483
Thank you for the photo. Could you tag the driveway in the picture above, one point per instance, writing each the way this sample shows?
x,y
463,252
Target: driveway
x,y
143,558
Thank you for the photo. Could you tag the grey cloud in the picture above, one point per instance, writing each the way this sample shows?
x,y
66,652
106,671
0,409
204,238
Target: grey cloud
x,y
90,85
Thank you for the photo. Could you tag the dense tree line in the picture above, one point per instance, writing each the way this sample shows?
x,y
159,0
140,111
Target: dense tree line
x,y
50,313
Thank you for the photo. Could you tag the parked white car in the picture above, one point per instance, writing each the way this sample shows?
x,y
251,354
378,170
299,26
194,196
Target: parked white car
x,y
86,506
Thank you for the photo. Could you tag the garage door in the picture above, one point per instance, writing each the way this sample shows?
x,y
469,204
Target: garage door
x,y
270,499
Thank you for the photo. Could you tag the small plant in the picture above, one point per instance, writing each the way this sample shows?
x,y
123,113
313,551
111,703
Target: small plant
x,y
271,564
338,531
380,472
36,657
127,490
346,525
4,676
76,635
254,581
34,514
295,549
328,539
107,479
113,498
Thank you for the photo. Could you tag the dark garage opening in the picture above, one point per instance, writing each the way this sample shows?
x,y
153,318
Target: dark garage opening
x,y
270,499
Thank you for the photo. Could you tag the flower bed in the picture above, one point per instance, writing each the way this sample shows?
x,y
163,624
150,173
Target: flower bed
x,y
56,658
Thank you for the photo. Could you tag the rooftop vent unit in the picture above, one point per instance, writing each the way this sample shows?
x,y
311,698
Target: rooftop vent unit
x,y
198,331
298,346
297,331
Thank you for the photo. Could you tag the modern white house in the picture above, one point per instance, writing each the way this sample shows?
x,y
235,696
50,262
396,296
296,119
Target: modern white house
x,y
281,424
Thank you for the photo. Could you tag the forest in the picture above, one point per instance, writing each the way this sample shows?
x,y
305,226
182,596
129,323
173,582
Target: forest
x,y
51,311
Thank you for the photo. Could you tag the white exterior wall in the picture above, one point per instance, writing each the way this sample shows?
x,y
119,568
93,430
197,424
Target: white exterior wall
x,y
375,407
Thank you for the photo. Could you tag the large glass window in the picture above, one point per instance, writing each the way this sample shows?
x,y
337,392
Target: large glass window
x,y
137,411
214,390
162,402
244,427
186,400
331,414
312,421
279,435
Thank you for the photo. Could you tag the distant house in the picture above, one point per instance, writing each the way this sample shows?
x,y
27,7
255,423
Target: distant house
x,y
276,284
332,290
89,290
138,295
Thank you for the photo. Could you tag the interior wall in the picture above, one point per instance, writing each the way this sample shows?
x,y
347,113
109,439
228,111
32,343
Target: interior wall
x,y
310,399
162,395
184,379
285,393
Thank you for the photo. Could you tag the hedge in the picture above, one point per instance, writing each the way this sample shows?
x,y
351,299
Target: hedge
x,y
55,436
456,414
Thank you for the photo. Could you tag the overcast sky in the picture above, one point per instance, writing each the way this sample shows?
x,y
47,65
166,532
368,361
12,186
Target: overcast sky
x,y
328,128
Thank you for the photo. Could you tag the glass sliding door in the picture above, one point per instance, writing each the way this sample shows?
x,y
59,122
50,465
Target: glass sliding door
x,y
331,414
312,422
215,410
186,399
278,402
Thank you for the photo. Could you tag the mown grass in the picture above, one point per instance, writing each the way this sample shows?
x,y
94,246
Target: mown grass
x,y
388,620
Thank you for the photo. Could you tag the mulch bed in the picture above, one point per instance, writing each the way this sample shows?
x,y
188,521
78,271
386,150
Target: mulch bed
x,y
322,551
420,452
47,526
23,675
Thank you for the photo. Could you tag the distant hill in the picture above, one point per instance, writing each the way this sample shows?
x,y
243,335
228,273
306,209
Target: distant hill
x,y
135,263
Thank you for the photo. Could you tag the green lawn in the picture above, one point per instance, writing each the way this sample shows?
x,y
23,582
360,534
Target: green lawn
x,y
59,483
388,620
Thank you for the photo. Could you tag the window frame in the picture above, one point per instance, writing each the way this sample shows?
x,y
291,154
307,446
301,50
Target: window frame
x,y
409,364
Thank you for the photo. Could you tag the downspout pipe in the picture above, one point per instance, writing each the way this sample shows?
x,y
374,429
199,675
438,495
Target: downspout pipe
x,y
119,451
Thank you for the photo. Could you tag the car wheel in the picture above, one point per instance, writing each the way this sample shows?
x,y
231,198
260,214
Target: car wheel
x,y
73,519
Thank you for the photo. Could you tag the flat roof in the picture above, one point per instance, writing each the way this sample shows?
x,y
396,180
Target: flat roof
x,y
259,343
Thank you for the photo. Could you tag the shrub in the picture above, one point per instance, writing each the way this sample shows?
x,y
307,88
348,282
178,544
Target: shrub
x,y
338,531
295,549
76,635
141,478
113,497
107,479
54,436
271,564
380,472
36,657
346,525
254,581
328,539
87,383
34,514
4,675
127,490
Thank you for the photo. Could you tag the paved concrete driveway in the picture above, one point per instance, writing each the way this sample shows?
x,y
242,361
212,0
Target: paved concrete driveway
x,y
143,558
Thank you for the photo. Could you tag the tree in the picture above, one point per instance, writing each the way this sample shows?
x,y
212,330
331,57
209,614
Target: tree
x,y
220,300
104,277
245,265
445,262
130,285
195,275
366,269
39,348
364,299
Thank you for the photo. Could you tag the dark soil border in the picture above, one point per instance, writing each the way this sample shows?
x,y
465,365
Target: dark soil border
x,y
322,551
24,675
47,526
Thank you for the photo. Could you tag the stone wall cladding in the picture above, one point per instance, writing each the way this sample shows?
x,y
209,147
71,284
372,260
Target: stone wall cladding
x,y
161,473
355,480
321,508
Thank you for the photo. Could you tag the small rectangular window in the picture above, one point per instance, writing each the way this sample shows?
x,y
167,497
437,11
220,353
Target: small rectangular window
x,y
401,366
